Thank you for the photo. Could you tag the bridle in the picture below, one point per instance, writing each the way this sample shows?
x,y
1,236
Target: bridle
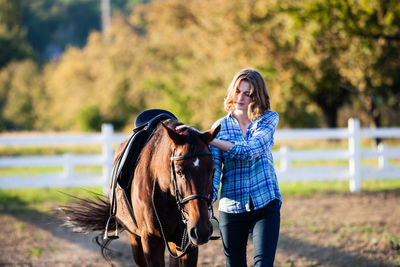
x,y
181,201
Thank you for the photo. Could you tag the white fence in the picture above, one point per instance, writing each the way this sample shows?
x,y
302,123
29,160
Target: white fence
x,y
354,172
107,138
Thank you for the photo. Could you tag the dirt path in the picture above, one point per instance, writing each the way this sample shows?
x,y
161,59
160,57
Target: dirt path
x,y
326,229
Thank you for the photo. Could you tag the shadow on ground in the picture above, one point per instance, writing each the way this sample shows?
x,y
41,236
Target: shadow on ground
x,y
292,251
37,221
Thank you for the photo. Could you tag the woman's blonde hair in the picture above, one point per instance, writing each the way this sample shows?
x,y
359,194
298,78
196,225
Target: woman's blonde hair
x,y
258,92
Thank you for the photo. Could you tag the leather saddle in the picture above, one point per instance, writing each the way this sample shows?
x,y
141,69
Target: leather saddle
x,y
145,125
124,169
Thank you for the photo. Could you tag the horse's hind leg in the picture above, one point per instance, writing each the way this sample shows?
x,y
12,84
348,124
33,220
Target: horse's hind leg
x,y
137,250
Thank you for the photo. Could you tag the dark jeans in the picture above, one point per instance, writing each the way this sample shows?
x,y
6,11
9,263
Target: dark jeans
x,y
264,225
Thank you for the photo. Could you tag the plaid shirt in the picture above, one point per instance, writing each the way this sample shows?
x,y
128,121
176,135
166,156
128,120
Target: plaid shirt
x,y
246,169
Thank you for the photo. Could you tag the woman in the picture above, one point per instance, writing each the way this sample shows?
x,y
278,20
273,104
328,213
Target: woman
x,y
250,200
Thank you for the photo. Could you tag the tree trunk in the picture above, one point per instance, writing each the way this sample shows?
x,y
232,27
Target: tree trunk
x,y
330,115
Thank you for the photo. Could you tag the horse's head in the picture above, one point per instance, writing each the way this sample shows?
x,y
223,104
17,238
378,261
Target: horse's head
x,y
191,177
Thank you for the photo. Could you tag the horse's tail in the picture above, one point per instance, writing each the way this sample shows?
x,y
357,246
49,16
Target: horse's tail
x,y
87,215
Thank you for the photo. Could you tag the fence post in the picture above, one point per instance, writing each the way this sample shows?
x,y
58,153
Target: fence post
x,y
382,159
68,166
107,131
285,159
355,155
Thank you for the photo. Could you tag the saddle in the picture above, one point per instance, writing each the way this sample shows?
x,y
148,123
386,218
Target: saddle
x,y
124,169
145,125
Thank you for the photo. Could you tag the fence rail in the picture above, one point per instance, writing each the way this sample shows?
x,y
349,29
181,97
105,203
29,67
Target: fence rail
x,y
352,170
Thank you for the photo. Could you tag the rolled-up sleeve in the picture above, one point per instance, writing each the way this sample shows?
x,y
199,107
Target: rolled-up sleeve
x,y
260,141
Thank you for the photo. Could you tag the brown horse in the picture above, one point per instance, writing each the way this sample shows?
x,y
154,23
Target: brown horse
x,y
170,198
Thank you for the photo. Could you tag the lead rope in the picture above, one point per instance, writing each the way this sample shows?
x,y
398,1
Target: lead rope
x,y
185,235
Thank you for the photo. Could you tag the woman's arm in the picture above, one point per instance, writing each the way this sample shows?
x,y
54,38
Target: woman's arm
x,y
221,144
261,140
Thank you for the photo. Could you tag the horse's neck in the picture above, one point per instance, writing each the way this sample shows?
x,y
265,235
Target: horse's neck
x,y
160,162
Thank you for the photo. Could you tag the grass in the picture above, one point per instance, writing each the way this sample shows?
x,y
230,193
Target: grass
x,y
23,200
29,170
41,199
308,188
19,227
8,151
395,242
42,170
35,252
331,144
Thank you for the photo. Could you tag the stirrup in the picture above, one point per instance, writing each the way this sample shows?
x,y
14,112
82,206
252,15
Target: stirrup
x,y
115,235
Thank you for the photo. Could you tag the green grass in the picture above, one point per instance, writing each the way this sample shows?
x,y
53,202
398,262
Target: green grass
x,y
42,170
40,195
41,199
48,150
308,188
35,252
331,144
22,200
338,163
29,170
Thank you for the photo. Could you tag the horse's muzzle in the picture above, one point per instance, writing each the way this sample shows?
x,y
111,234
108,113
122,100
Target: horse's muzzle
x,y
200,235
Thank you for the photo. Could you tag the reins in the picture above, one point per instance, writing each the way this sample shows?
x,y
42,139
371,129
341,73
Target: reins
x,y
180,202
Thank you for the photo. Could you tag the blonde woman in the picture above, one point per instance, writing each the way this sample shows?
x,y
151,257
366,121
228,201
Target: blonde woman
x,y
250,200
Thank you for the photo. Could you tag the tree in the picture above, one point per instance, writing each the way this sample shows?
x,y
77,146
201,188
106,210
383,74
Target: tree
x,y
316,56
21,87
12,33
371,62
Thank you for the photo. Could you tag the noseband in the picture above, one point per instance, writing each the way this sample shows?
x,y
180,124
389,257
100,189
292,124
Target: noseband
x,y
181,202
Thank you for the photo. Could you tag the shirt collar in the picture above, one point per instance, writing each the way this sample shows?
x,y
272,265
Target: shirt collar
x,y
230,115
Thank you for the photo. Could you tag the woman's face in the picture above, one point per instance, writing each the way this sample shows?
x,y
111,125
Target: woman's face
x,y
242,97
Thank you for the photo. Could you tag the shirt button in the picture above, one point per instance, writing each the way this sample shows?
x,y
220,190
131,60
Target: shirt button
x,y
247,207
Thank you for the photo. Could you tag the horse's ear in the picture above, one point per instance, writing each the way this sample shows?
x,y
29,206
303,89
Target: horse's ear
x,y
209,135
175,137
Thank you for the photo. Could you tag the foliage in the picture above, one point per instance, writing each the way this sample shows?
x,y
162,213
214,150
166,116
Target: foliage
x,y
28,199
341,52
12,33
90,119
323,61
55,24
21,85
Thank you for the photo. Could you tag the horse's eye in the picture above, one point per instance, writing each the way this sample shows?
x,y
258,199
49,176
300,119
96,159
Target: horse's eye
x,y
179,172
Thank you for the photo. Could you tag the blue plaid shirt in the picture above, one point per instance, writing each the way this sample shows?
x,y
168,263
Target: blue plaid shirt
x,y
246,169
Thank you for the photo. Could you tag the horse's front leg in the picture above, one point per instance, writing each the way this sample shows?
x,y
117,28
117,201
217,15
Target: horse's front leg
x,y
137,250
189,260
153,249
